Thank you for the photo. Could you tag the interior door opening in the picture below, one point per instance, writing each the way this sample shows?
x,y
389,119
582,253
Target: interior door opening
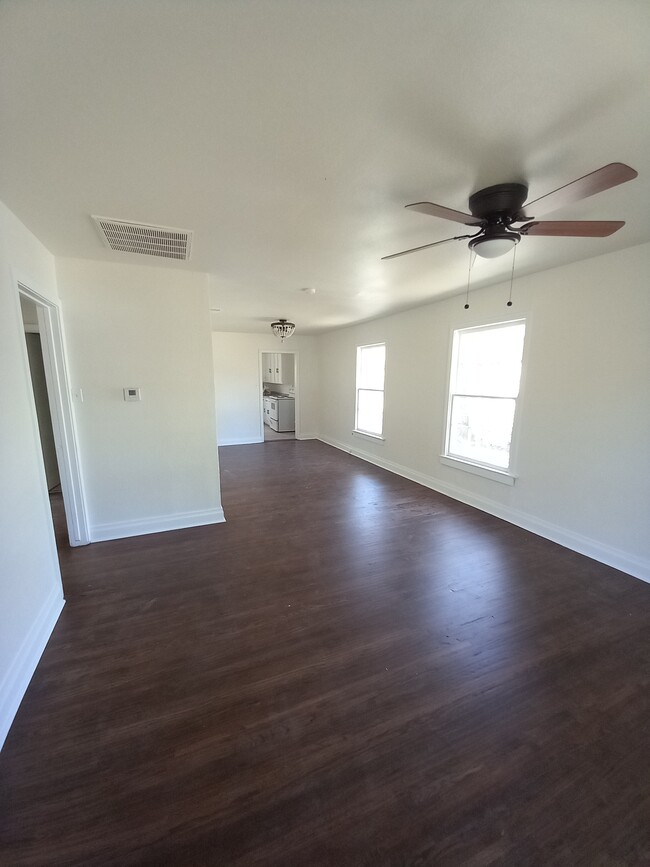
x,y
53,410
46,431
279,392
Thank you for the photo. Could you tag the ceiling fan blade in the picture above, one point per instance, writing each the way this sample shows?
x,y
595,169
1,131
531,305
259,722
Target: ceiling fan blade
x,y
573,228
426,246
444,213
602,179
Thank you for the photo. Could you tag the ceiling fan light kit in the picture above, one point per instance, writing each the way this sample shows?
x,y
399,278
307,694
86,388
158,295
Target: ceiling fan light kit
x,y
494,210
494,244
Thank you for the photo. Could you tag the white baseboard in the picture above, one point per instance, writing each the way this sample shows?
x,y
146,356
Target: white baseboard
x,y
15,682
158,524
606,554
247,442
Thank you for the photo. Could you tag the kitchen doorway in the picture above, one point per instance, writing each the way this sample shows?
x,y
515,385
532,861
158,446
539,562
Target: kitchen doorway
x,y
279,396
53,413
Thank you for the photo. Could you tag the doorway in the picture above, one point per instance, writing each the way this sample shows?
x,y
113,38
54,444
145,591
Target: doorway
x,y
54,415
279,409
44,418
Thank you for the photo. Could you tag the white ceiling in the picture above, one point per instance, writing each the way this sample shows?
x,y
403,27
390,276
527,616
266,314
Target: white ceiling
x,y
288,135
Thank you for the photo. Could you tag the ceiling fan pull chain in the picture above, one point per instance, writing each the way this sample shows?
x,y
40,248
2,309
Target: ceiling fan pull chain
x,y
512,275
472,256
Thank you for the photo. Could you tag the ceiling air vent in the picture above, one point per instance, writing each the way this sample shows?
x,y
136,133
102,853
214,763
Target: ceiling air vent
x,y
141,238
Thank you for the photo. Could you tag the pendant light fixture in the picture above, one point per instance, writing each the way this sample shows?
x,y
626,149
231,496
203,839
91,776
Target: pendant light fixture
x,y
283,329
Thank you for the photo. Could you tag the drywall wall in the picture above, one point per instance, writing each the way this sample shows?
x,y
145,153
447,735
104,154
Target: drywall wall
x,y
238,384
149,465
31,596
581,454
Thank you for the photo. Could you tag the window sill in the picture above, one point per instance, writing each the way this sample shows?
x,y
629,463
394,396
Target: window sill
x,y
501,476
362,433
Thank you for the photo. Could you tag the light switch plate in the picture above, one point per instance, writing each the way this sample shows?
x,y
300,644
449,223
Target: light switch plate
x,y
132,393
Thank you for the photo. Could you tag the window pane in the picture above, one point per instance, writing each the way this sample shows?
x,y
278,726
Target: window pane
x,y
481,428
371,366
370,411
489,361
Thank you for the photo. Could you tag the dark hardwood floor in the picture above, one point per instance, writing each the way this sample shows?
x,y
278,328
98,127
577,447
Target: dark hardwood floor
x,y
353,670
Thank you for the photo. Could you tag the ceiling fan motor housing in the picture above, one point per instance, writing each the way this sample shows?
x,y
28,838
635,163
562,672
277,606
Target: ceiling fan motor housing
x,y
501,203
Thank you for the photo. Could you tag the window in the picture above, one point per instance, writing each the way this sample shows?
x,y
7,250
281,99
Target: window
x,y
483,390
371,362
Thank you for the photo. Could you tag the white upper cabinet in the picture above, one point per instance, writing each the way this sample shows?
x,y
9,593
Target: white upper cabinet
x,y
268,366
278,367
286,365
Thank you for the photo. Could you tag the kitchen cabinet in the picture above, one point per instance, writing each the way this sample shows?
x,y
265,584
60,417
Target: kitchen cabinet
x,y
278,367
268,366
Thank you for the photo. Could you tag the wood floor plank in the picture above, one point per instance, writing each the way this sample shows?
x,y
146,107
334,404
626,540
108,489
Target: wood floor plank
x,y
353,670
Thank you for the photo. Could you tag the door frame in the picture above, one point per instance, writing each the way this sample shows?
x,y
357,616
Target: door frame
x,y
63,422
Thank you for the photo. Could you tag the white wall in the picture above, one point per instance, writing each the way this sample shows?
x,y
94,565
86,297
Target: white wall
x,y
238,385
31,595
583,451
150,465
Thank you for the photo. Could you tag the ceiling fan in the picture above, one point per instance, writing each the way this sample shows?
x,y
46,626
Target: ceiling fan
x,y
495,210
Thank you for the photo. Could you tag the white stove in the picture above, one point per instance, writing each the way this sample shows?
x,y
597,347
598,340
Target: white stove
x,y
280,412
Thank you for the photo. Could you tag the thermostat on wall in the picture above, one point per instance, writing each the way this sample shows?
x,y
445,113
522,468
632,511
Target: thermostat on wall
x,y
132,394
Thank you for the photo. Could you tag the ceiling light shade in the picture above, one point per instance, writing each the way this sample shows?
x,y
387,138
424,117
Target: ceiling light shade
x,y
494,244
283,329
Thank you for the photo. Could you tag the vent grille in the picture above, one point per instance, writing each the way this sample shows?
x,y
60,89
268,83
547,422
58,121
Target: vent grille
x,y
141,238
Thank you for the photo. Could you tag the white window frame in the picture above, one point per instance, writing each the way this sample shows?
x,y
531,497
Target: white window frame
x,y
357,430
490,471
